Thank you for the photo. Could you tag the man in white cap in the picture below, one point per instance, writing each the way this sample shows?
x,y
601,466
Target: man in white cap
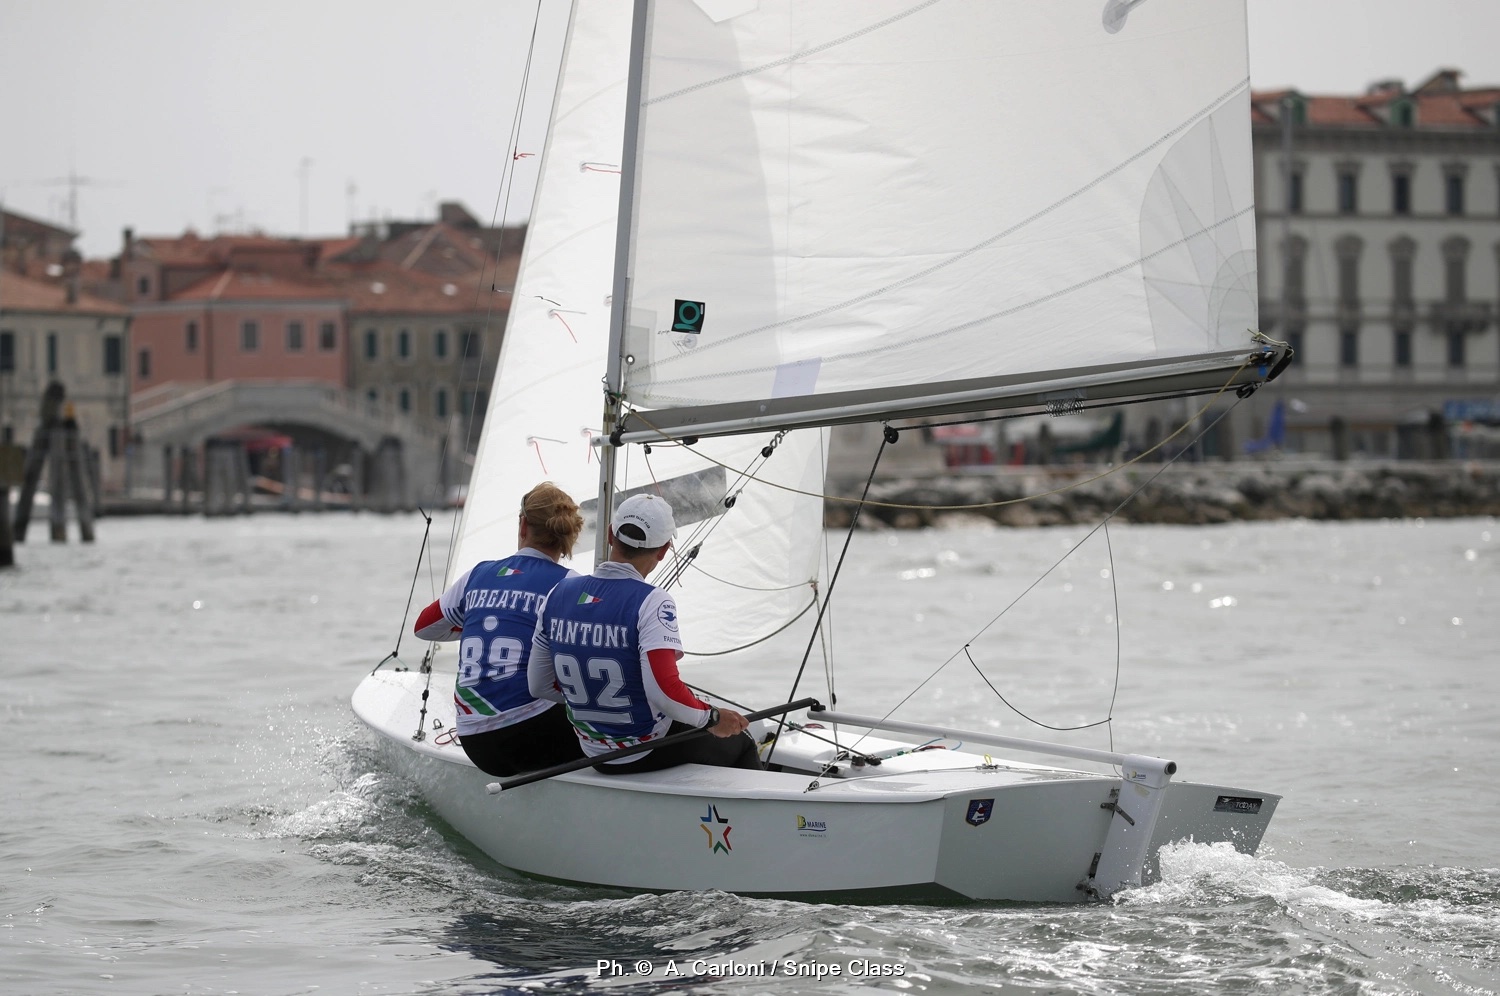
x,y
607,645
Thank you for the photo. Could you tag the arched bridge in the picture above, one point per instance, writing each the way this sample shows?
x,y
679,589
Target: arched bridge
x,y
175,417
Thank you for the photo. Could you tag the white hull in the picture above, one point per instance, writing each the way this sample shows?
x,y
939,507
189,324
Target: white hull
x,y
904,825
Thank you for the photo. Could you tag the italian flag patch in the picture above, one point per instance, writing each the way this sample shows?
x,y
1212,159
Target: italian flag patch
x,y
507,572
587,599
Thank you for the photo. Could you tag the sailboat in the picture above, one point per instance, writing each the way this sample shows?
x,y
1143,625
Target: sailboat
x,y
758,219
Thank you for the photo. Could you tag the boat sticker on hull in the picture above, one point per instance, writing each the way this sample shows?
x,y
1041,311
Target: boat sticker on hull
x,y
811,828
717,827
1236,804
979,811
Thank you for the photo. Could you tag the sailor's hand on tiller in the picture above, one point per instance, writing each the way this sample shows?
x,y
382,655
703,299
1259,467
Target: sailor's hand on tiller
x,y
730,723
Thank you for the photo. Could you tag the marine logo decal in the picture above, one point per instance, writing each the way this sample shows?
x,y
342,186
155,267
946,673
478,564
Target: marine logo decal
x,y
979,811
688,316
711,822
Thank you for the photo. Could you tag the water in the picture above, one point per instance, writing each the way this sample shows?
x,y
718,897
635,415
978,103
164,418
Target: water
x,y
191,808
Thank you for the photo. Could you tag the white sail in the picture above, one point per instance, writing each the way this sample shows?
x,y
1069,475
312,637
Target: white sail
x,y
867,202
756,561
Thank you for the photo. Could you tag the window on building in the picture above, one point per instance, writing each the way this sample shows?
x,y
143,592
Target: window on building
x,y
440,402
143,364
1453,193
1347,250
249,336
372,344
114,355
114,440
1403,252
1402,357
1294,339
1348,347
1403,114
294,337
403,344
1294,193
328,339
1348,188
52,352
1457,346
372,397
143,286
1293,270
190,337
7,352
404,399
468,342
1456,270
440,344
1401,193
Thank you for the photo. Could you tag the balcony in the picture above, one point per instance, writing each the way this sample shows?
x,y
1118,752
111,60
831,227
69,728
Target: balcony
x,y
1459,316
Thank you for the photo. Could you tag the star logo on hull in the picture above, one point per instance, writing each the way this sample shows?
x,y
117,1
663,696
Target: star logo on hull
x,y
717,827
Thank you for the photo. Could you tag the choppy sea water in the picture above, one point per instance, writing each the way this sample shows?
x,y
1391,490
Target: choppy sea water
x,y
190,806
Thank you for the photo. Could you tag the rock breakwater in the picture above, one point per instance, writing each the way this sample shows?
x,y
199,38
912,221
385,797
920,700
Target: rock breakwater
x,y
1180,494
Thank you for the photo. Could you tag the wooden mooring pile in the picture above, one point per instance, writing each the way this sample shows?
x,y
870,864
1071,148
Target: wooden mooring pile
x,y
72,477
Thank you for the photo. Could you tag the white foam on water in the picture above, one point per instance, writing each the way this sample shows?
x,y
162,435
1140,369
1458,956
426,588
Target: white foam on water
x,y
1193,873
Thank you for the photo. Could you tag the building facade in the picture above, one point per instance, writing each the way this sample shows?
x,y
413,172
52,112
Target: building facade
x,y
49,331
1378,222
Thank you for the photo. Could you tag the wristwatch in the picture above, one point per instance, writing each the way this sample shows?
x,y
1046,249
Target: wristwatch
x,y
713,718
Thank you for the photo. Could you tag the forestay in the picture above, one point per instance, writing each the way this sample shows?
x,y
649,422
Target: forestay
x,y
871,208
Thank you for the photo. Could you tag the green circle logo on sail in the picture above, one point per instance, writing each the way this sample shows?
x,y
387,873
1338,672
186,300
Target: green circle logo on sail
x,y
689,316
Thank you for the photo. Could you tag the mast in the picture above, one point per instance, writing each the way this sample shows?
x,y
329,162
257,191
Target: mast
x,y
614,375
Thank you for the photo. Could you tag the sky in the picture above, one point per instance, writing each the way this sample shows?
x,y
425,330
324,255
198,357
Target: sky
x,y
300,118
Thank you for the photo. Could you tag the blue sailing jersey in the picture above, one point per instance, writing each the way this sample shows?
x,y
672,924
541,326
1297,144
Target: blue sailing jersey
x,y
498,612
592,626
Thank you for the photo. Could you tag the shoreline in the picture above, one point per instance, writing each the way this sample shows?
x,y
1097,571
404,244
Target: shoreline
x,y
1186,494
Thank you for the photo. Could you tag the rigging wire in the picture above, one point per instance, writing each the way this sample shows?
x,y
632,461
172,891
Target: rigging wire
x,y
887,437
395,653
1071,550
499,213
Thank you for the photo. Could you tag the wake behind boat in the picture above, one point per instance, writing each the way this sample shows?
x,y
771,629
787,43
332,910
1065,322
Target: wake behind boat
x,y
756,221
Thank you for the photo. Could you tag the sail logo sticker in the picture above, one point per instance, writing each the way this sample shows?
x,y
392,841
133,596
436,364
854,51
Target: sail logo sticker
x,y
587,599
811,828
979,811
688,316
711,821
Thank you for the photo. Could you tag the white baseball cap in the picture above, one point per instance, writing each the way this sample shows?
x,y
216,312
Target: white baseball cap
x,y
651,516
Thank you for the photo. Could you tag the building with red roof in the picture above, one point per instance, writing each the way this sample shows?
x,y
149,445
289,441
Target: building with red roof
x,y
1378,228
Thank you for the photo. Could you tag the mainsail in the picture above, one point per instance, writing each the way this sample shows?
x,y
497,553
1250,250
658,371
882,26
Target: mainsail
x,y
756,555
875,208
